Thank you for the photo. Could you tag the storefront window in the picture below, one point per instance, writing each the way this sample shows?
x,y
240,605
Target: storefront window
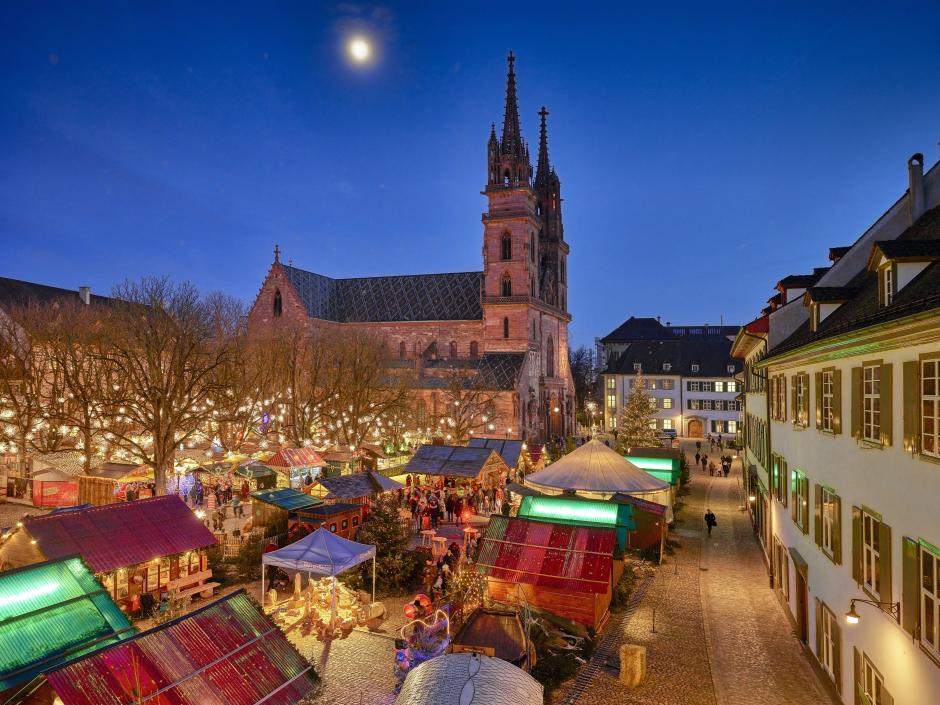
x,y
164,572
153,574
121,585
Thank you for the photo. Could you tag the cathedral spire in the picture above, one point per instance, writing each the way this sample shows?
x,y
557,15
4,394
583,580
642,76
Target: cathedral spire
x,y
511,143
543,170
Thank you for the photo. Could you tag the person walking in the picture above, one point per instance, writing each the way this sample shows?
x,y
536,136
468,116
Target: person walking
x,y
710,520
698,457
704,462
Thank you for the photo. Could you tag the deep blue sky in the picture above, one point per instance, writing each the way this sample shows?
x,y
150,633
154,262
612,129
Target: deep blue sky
x,y
704,151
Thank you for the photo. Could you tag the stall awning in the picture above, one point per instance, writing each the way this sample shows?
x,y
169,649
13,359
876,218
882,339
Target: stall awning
x,y
321,552
454,461
253,470
295,459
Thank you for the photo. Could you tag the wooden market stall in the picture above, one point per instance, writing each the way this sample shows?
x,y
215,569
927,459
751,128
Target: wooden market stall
x,y
463,464
342,519
272,507
258,475
295,466
515,453
356,488
663,463
136,549
55,478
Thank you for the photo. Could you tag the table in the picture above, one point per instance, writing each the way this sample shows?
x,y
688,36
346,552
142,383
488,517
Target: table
x,y
439,547
427,537
467,533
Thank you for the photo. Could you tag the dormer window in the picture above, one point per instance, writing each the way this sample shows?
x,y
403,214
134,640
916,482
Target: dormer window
x,y
731,368
637,366
887,284
667,366
695,367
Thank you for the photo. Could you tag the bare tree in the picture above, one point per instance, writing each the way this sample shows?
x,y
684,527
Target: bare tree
x,y
465,406
581,363
162,353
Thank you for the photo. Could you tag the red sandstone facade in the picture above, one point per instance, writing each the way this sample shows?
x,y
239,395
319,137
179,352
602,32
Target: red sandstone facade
x,y
511,319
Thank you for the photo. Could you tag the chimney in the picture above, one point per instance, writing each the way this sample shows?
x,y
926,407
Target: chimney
x,y
915,181
84,293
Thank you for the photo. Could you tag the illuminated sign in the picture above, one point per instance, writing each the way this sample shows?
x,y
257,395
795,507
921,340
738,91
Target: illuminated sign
x,y
569,510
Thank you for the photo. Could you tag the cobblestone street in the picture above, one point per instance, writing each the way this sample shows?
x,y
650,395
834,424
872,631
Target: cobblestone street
x,y
721,637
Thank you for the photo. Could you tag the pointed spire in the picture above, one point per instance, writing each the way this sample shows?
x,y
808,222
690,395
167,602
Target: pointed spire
x,y
512,135
543,170
277,254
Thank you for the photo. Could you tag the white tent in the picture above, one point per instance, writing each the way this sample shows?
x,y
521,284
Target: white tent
x,y
322,553
468,679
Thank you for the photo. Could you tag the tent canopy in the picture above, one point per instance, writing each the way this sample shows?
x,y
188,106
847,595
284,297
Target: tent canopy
x,y
595,468
454,679
321,552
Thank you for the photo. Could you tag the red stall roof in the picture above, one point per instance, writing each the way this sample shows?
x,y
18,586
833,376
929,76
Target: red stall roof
x,y
227,653
558,556
295,458
122,534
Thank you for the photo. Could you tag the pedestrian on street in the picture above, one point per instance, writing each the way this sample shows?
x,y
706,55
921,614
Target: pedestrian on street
x,y
727,469
710,521
704,462
698,457
711,468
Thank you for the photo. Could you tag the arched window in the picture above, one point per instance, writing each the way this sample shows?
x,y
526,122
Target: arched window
x,y
474,349
505,327
453,349
507,246
507,285
278,307
532,246
538,208
401,350
550,358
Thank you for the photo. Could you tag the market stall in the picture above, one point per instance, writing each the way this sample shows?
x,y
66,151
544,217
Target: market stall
x,y
339,518
272,507
465,465
456,679
356,488
296,467
515,453
663,463
258,475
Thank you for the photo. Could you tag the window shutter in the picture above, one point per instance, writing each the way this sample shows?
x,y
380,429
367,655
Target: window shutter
x,y
856,402
805,408
857,545
837,656
857,674
837,401
910,586
886,697
785,480
819,399
884,562
794,500
817,514
804,497
794,409
911,406
837,530
887,405
819,641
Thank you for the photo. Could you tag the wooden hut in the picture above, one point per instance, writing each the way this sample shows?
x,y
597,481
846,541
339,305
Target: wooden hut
x,y
566,570
135,548
55,478
355,488
515,453
293,465
342,519
461,463
272,507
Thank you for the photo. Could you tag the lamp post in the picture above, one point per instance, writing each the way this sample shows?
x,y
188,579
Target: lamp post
x,y
890,608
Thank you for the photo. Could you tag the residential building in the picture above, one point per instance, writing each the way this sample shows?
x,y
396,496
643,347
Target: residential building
x,y
687,370
505,327
852,391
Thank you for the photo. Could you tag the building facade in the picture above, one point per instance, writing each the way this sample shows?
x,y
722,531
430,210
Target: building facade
x,y
506,326
687,370
851,376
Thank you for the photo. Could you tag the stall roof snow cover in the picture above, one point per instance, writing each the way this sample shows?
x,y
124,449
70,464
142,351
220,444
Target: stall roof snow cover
x,y
461,679
595,468
321,552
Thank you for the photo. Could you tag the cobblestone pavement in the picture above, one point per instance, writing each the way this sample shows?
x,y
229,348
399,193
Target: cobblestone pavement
x,y
721,637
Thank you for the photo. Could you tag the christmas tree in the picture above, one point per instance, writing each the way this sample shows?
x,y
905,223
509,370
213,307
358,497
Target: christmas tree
x,y
637,425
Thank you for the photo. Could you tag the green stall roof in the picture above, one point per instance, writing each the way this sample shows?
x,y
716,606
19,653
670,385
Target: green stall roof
x,y
286,498
581,512
665,469
50,613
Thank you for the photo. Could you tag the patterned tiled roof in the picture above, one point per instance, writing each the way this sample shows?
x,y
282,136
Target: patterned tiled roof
x,y
418,297
499,370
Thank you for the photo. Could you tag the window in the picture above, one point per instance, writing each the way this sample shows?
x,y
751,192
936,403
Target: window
x,y
694,386
732,426
801,399
668,384
871,404
505,327
732,386
550,358
930,600
611,383
887,285
507,285
563,272
778,398
667,402
799,493
828,388
873,684
453,349
719,386
333,528
611,401
730,368
355,521
507,246
695,404
278,306
421,413
667,366
637,366
871,554
827,639
345,524
474,349
532,246
930,407
164,572
153,573
695,367
667,423
401,350
829,521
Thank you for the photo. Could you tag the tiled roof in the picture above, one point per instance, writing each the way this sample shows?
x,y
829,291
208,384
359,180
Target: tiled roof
x,y
449,461
712,354
638,328
799,281
122,534
295,458
16,292
418,297
496,371
901,249
227,653
286,498
51,612
357,484
508,449
326,510
864,309
556,556
831,294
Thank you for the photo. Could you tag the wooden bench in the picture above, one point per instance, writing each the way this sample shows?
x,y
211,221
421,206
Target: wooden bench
x,y
189,585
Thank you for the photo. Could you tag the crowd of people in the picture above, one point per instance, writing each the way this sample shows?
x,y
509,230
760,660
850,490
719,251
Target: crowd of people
x,y
440,500
702,458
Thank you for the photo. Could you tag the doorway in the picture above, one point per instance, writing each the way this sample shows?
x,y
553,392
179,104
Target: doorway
x,y
802,619
696,428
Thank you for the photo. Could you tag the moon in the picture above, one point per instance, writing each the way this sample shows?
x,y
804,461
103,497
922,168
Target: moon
x,y
359,50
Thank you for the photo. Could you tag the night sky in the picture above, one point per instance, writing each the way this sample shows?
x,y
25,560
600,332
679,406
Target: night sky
x,y
704,151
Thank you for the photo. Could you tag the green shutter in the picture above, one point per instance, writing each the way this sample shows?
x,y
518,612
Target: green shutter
x,y
819,399
856,402
785,481
837,530
887,405
910,586
837,401
804,497
911,406
857,672
794,500
819,615
805,408
857,545
837,655
817,514
884,562
794,410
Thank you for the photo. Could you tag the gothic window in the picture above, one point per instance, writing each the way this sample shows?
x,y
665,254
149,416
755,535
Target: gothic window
x,y
277,303
506,178
538,208
507,285
507,246
453,349
474,349
505,327
532,246
563,272
401,350
550,358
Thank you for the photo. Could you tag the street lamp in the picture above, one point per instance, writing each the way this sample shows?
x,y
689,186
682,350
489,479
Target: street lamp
x,y
890,608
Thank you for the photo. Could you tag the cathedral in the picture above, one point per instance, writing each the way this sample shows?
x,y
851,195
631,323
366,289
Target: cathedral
x,y
507,325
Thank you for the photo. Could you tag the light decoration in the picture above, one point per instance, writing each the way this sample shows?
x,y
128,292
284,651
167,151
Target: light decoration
x,y
569,510
665,469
